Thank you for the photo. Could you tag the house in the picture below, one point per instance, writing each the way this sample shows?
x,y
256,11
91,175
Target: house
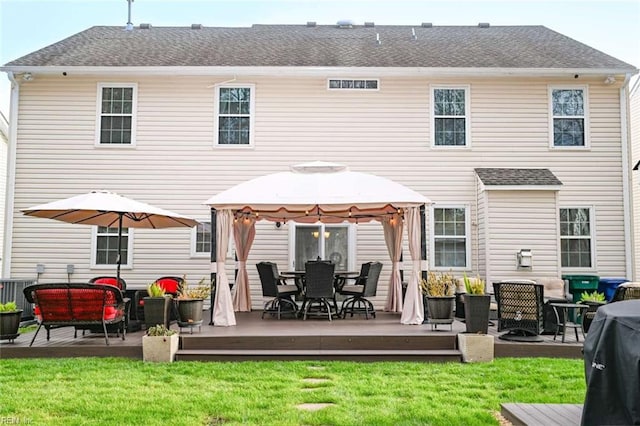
x,y
634,112
4,139
517,134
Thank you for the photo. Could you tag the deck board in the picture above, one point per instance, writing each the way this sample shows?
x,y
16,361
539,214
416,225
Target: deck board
x,y
542,414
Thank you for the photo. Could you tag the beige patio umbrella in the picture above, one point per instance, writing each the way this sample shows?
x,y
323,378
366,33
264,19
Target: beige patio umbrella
x,y
104,208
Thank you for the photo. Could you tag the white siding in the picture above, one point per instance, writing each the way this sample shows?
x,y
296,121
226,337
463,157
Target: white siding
x,y
522,220
176,166
4,140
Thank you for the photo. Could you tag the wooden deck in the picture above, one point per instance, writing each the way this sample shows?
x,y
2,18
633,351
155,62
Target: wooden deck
x,y
542,414
382,338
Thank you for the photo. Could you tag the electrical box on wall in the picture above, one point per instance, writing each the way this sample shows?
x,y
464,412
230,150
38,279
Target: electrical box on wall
x,y
524,258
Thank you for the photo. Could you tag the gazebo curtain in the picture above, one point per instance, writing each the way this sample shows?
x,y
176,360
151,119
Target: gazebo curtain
x,y
244,231
223,304
413,310
392,226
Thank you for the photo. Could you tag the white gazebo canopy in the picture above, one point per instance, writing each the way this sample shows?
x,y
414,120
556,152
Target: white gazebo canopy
x,y
308,193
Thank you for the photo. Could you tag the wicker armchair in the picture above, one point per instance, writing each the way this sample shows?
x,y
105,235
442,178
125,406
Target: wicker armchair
x,y
365,286
627,291
520,310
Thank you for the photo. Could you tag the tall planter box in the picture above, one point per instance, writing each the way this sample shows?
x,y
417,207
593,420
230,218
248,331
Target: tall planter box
x,y
476,312
157,311
9,325
159,348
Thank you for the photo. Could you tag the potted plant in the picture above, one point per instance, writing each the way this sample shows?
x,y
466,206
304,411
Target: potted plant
x,y
160,344
190,303
594,300
10,317
156,306
476,305
438,290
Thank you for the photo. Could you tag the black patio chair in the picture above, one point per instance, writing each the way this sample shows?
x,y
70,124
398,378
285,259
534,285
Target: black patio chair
x,y
357,294
319,291
358,280
520,310
274,286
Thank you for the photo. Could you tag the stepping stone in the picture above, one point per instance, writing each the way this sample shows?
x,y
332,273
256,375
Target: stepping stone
x,y
315,380
316,367
314,406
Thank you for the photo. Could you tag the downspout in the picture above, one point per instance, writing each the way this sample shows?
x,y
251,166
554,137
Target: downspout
x,y
11,176
624,136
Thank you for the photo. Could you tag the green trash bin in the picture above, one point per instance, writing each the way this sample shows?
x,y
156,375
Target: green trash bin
x,y
581,283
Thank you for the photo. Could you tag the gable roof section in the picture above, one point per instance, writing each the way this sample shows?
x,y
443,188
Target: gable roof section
x,y
495,178
508,47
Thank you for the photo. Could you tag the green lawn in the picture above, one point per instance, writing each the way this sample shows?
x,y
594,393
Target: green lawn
x,y
119,391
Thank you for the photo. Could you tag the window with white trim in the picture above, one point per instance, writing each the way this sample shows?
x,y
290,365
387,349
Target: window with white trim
x,y
234,115
334,242
576,245
353,84
116,118
451,245
569,116
201,239
106,246
450,108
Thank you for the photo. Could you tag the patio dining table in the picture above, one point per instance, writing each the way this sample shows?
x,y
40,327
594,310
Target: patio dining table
x,y
339,277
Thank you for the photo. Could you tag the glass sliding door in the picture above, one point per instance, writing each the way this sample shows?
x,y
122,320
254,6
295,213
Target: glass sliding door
x,y
327,242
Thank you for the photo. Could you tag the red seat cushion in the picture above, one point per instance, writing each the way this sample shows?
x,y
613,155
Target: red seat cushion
x,y
169,284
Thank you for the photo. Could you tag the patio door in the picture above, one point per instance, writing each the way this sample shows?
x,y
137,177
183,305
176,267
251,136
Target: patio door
x,y
327,242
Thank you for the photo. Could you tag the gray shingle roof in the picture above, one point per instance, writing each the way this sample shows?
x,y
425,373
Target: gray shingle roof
x,y
323,46
499,177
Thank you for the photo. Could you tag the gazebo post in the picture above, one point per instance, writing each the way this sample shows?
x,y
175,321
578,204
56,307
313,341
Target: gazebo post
x,y
213,258
423,239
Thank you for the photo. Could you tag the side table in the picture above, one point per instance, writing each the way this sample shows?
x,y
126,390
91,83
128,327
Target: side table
x,y
565,308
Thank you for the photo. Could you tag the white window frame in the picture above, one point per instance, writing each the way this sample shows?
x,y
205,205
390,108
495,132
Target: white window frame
x,y
353,89
252,114
351,249
194,237
466,116
94,248
432,237
134,114
585,98
592,238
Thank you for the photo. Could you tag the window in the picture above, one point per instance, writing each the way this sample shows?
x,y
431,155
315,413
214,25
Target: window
x,y
450,116
116,119
105,250
568,114
330,242
201,239
450,237
234,111
575,238
358,84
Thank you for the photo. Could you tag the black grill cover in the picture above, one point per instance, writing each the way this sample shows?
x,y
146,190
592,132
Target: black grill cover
x,y
612,366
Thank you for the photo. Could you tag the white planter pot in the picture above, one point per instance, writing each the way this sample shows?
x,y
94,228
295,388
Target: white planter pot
x,y
159,348
476,347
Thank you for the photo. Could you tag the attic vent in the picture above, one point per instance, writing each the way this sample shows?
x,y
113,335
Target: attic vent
x,y
352,84
426,25
369,24
145,26
196,26
483,25
345,23
311,24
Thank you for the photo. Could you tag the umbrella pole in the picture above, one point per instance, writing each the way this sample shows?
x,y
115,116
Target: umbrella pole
x,y
118,260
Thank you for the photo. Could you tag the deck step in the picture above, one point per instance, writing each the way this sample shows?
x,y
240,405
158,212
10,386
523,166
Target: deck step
x,y
450,355
334,342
